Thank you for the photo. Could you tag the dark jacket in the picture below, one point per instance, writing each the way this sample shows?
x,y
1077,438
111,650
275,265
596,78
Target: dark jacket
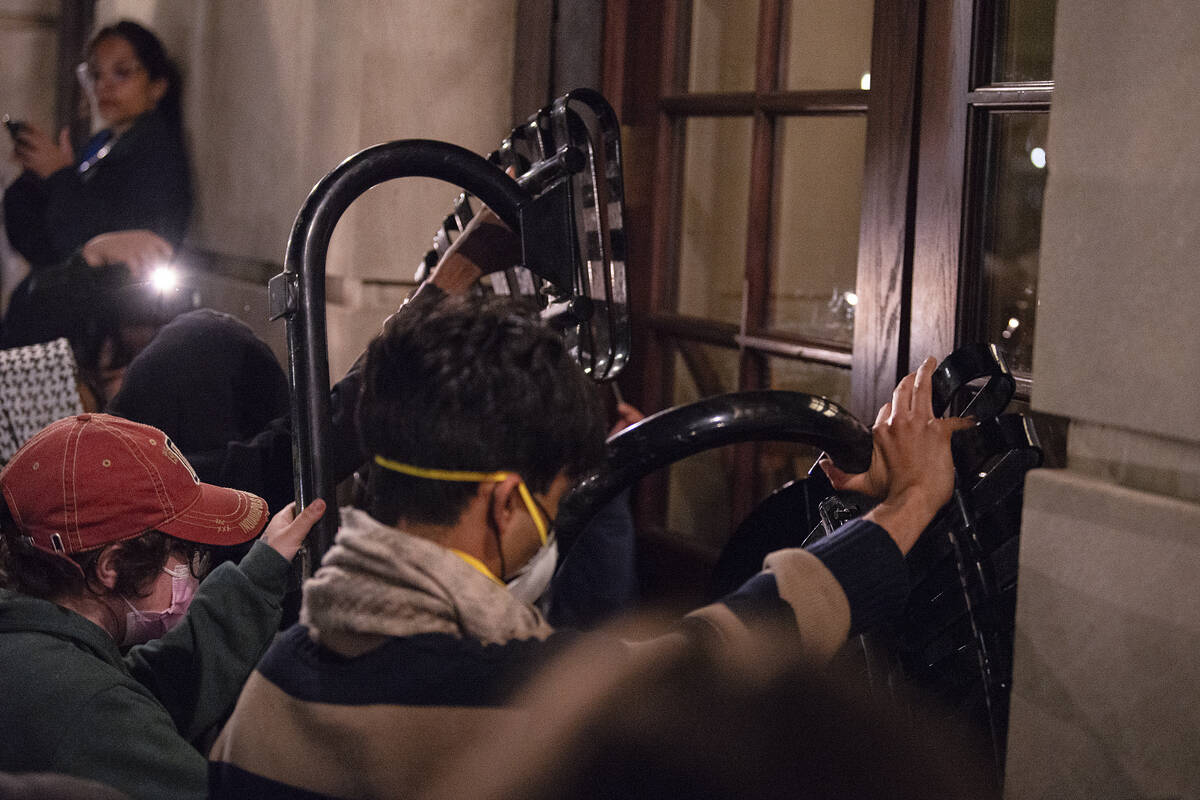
x,y
143,182
217,391
74,705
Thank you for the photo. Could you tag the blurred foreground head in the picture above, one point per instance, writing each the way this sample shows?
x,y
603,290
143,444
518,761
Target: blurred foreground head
x,y
687,720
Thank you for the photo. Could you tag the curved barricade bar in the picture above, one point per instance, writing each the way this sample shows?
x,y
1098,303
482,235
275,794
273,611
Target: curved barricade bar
x,y
298,293
568,156
677,433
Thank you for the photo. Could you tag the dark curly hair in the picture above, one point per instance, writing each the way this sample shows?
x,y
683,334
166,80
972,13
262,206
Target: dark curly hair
x,y
472,383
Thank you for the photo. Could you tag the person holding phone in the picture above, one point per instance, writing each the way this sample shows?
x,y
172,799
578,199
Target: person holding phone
x,y
133,174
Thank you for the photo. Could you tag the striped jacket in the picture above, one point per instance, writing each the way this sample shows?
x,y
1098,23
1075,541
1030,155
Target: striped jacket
x,y
315,722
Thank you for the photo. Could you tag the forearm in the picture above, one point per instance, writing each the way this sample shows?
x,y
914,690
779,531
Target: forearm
x,y
849,582
905,516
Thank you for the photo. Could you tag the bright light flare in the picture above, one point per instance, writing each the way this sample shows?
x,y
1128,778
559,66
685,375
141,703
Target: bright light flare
x,y
851,299
864,82
1038,156
164,278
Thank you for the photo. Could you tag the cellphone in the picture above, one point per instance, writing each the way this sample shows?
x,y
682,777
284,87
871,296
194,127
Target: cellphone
x,y
14,126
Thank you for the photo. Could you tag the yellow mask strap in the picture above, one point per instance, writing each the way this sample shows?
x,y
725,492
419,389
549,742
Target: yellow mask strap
x,y
477,564
470,477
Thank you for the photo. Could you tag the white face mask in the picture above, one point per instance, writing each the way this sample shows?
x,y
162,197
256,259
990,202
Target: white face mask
x,y
531,580
143,626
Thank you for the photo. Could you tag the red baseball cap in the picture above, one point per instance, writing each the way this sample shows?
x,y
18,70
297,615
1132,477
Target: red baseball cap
x,y
93,479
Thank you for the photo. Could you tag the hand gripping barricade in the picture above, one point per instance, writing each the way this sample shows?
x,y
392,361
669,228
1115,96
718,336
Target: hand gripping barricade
x,y
569,156
567,207
955,636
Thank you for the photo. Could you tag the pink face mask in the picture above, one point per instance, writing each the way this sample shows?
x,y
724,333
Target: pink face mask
x,y
142,626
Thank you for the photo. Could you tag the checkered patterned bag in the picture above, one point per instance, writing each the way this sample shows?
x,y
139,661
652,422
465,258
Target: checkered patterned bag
x,y
37,386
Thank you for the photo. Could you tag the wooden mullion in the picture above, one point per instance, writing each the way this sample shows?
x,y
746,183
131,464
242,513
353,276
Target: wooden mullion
x,y
946,63
762,181
631,66
710,104
796,337
709,331
885,243
782,344
752,368
817,102
666,215
1014,97
616,74
657,369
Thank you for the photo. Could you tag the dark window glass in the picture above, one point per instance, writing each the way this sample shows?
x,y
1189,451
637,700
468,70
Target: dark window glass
x,y
1023,41
1016,164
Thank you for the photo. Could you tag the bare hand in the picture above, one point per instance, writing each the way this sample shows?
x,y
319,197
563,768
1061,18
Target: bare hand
x,y
286,530
911,465
140,250
874,481
626,415
38,153
485,245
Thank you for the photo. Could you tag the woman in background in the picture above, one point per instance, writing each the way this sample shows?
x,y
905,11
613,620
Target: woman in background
x,y
133,174
132,177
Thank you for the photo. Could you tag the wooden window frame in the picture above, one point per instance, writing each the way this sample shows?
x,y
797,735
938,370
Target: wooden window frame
x,y
956,99
921,199
885,252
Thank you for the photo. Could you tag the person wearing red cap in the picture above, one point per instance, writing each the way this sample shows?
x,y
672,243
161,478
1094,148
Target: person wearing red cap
x,y
102,531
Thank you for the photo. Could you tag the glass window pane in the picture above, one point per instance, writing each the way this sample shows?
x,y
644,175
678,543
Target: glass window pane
x,y
724,38
1023,48
828,44
712,247
1012,231
780,462
816,224
699,498
795,375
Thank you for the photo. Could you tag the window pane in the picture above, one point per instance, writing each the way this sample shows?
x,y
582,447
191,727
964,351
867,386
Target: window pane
x,y
699,498
1023,48
1012,231
794,375
712,247
724,37
816,225
780,462
828,44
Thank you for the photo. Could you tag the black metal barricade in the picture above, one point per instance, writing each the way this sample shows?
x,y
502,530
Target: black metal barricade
x,y
566,205
955,636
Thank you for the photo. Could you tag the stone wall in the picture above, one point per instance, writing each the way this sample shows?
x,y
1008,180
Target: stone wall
x,y
1106,696
278,93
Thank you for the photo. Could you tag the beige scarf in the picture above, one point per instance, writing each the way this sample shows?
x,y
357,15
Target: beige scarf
x,y
378,581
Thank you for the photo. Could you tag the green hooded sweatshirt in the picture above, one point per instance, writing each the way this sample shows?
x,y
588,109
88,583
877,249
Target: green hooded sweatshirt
x,y
73,704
